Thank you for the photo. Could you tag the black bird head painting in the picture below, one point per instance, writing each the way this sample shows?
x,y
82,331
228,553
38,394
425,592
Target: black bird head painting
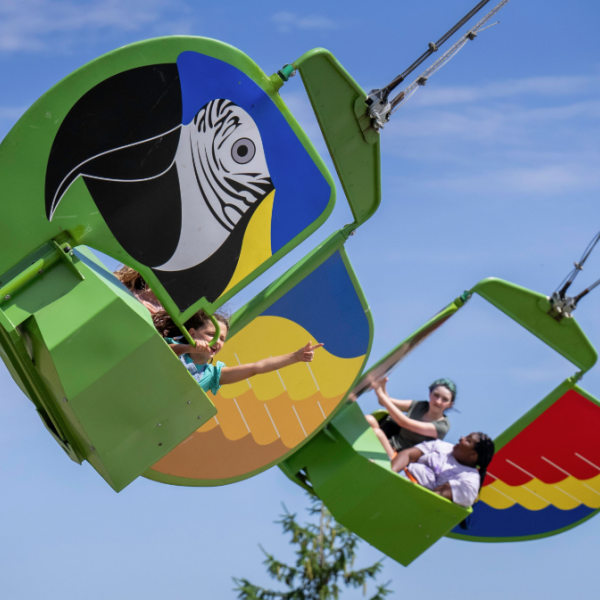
x,y
196,171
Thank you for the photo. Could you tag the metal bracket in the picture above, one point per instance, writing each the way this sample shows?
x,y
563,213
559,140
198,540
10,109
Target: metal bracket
x,y
463,298
577,377
286,72
65,251
561,307
378,108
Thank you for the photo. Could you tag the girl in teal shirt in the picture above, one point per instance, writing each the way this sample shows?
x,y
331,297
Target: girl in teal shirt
x,y
198,359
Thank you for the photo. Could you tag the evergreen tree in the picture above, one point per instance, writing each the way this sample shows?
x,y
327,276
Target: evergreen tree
x,y
325,554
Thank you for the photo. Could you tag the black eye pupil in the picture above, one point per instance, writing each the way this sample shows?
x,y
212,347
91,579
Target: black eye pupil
x,y
243,151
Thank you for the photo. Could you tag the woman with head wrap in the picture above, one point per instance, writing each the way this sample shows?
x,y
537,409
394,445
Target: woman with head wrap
x,y
424,421
454,472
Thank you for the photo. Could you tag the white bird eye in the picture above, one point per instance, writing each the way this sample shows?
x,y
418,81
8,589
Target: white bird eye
x,y
243,151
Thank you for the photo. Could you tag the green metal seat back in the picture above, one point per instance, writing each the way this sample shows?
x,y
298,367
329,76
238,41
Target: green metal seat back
x,y
103,380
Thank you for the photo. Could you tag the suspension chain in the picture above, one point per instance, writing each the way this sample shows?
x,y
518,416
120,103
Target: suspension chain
x,y
380,108
563,305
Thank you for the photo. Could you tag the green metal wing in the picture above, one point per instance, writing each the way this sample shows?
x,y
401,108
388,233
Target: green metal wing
x,y
532,311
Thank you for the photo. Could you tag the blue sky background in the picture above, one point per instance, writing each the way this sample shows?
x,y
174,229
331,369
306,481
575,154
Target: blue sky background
x,y
490,170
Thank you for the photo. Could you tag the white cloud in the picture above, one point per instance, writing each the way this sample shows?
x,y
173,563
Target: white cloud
x,y
491,116
534,137
35,25
287,21
432,95
543,180
528,133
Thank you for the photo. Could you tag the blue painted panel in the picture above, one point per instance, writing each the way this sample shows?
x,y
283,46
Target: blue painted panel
x,y
517,521
325,303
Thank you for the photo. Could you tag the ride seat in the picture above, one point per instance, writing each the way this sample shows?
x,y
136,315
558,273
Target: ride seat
x,y
85,351
346,467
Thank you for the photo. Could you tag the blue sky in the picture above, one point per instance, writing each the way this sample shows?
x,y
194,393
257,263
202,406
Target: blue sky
x,y
490,170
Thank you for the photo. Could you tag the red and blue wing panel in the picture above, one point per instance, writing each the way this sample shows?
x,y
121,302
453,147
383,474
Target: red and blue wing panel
x,y
546,478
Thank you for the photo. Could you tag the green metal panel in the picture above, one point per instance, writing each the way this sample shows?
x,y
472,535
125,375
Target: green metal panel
x,y
349,470
104,382
530,310
339,105
387,363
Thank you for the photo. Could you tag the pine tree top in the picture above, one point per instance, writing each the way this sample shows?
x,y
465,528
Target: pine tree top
x,y
325,554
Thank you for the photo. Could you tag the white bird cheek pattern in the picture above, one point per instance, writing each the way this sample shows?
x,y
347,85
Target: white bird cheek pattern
x,y
229,161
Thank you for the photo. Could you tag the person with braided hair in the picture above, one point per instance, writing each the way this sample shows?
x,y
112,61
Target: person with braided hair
x,y
424,421
454,472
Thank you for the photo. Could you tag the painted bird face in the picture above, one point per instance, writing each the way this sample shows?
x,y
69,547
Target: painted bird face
x,y
178,192
229,160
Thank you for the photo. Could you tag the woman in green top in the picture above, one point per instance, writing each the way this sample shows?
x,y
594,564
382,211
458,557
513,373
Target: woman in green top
x,y
424,421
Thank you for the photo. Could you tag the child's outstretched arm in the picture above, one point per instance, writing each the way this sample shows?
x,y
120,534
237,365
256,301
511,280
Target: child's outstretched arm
x,y
267,365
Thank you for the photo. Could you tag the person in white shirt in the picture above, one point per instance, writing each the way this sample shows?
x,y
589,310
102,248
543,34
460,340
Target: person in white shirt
x,y
454,472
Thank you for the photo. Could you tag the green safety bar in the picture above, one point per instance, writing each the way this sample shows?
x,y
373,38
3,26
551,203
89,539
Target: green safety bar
x,y
386,364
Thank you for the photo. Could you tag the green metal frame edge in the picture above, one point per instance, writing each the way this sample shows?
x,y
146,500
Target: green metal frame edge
x,y
479,289
360,216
